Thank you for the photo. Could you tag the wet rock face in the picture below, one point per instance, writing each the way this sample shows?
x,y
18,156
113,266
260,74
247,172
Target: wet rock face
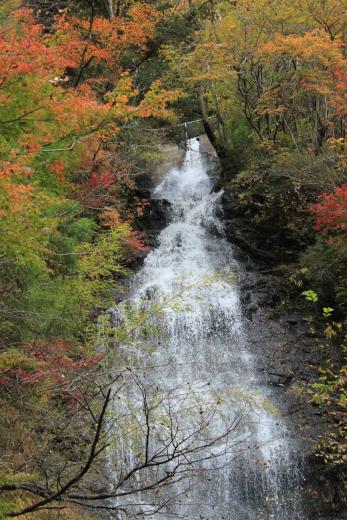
x,y
240,231
288,359
260,241
246,239
153,220
325,491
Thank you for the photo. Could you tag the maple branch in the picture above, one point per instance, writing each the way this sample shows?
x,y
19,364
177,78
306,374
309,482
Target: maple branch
x,y
14,120
68,149
82,69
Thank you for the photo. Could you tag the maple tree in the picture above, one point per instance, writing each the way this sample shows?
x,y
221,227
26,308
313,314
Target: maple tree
x,y
331,212
66,200
275,64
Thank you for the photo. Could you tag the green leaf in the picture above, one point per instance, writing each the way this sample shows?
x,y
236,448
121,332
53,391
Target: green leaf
x,y
310,296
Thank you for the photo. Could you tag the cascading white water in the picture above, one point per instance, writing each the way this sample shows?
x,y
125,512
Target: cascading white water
x,y
201,343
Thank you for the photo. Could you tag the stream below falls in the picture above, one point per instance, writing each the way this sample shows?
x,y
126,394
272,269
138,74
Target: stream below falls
x,y
197,404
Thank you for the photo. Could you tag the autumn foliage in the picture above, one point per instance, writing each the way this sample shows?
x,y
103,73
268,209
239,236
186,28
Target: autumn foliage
x,y
57,363
331,212
82,103
68,202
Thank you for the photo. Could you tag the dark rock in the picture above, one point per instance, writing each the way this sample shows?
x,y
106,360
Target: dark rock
x,y
245,297
285,349
154,217
292,320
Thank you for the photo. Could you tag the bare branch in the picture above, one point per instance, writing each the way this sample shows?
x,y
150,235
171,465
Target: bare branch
x,y
94,452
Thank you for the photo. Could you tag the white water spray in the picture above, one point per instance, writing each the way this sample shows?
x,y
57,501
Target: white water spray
x,y
203,344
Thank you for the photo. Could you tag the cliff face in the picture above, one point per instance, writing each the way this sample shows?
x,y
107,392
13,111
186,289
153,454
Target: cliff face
x,y
289,355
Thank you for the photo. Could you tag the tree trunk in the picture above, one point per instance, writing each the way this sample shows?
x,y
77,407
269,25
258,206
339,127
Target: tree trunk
x,y
220,149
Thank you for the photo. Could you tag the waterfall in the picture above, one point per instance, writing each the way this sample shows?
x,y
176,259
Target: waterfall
x,y
197,348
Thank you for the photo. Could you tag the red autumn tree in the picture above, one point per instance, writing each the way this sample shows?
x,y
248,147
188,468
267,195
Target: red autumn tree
x,y
331,212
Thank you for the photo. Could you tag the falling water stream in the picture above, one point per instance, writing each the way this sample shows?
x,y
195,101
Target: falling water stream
x,y
199,353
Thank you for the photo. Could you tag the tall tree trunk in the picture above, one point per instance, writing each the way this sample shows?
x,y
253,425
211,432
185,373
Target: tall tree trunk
x,y
220,149
220,120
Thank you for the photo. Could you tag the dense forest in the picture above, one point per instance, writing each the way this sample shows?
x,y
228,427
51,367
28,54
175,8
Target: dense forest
x,y
91,91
